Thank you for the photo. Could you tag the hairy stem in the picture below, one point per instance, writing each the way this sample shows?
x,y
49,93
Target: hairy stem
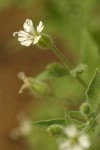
x,y
67,64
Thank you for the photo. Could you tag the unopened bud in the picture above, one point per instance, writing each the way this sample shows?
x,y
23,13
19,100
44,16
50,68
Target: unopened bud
x,y
56,70
38,88
78,69
85,108
55,129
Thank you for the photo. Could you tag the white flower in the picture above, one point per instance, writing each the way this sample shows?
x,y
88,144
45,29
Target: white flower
x,y
84,141
25,126
71,131
75,140
29,35
23,129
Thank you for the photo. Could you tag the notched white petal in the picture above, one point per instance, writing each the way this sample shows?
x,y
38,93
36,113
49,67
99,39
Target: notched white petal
x,y
40,24
22,33
26,43
20,39
28,25
40,27
37,38
15,33
29,22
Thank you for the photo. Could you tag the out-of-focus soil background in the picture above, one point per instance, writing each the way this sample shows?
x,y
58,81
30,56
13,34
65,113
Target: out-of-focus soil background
x,y
28,60
13,59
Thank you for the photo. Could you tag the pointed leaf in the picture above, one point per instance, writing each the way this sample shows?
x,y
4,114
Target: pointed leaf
x,y
77,115
93,92
68,118
46,123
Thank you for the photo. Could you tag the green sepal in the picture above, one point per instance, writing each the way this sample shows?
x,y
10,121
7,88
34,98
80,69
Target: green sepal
x,y
79,69
53,70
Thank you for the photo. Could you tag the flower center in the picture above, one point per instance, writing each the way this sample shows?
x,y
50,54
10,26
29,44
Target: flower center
x,y
74,141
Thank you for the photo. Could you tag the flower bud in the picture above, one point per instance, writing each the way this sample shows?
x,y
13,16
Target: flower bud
x,y
37,87
45,41
56,70
55,129
79,69
85,108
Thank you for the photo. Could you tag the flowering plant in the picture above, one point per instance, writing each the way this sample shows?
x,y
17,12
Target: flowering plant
x,y
75,129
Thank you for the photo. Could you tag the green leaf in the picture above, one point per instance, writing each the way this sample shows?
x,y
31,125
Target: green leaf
x,y
74,117
89,54
46,123
77,123
77,115
93,92
68,118
97,128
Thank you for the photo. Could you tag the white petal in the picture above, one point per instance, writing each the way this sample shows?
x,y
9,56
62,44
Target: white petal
x,y
22,33
65,145
40,27
26,43
25,126
29,22
77,147
28,25
22,39
71,131
24,86
14,34
84,141
21,76
36,39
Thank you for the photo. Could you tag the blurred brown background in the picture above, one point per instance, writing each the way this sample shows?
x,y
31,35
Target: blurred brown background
x,y
13,59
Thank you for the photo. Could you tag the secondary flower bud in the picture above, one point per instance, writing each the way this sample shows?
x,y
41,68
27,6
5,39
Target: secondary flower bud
x,y
55,129
56,70
79,69
38,88
85,108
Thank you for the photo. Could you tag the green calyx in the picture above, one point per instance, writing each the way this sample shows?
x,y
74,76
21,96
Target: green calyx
x,y
85,108
45,41
55,129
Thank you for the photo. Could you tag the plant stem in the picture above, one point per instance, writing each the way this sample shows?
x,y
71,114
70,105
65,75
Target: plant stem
x,y
67,64
62,58
81,81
